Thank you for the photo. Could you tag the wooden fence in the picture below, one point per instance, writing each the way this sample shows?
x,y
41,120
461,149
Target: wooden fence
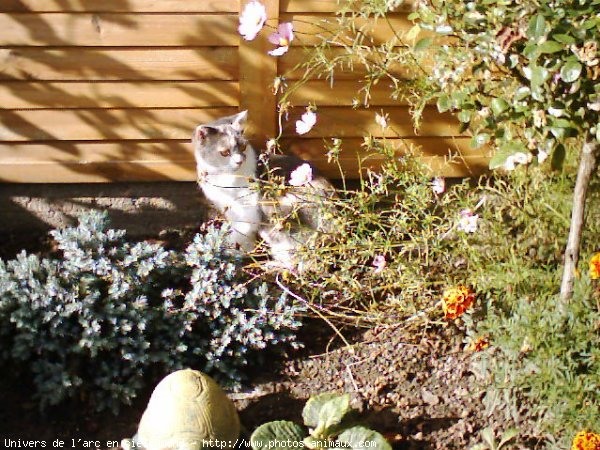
x,y
100,91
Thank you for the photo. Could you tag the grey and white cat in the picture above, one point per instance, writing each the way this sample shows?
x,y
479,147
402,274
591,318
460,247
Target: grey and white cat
x,y
228,167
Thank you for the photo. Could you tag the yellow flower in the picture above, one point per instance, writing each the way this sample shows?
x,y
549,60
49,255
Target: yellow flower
x,y
455,301
586,440
595,267
478,344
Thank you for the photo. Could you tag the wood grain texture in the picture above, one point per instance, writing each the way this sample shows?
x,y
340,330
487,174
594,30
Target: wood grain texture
x,y
343,93
104,124
324,6
141,94
70,64
345,122
257,71
142,6
118,30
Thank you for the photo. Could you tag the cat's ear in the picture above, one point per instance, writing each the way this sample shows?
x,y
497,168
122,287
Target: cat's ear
x,y
201,133
239,121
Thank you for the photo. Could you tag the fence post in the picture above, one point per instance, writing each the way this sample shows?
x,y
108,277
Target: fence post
x,y
257,72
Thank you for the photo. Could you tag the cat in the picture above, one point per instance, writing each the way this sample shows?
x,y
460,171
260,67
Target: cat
x,y
229,168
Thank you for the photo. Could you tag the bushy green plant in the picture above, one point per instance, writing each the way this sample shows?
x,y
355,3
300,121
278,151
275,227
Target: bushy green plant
x,y
94,319
328,418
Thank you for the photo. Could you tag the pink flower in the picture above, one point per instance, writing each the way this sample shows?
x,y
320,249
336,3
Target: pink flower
x,y
301,175
468,221
379,263
438,185
306,122
282,38
252,20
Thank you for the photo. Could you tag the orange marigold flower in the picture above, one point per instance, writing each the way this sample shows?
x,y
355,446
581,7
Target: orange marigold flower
x,y
456,301
595,267
478,344
586,440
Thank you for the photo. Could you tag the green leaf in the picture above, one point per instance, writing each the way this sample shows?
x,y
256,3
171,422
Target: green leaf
x,y
443,103
551,47
571,71
564,39
278,432
498,160
558,157
423,44
356,438
537,27
487,434
464,116
480,140
499,105
324,411
508,436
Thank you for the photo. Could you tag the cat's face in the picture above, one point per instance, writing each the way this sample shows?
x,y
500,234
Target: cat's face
x,y
220,145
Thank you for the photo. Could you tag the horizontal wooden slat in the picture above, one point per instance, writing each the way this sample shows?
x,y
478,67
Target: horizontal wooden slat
x,y
342,93
290,65
182,6
122,64
329,5
173,160
344,122
102,124
194,94
313,29
118,30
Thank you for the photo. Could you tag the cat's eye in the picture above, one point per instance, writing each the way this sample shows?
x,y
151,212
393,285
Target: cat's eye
x,y
225,153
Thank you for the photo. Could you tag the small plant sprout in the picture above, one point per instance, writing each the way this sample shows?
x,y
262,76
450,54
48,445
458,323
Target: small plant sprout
x,y
282,38
306,122
301,176
327,418
489,440
252,20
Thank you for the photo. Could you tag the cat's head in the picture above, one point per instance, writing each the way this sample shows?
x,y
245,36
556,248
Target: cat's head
x,y
220,145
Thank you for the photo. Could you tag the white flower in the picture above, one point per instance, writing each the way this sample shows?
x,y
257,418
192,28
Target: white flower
x,y
252,20
379,263
595,106
468,221
438,185
542,156
306,122
517,158
283,37
301,175
381,120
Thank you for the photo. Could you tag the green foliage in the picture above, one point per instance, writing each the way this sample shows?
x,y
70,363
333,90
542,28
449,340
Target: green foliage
x,y
93,320
327,417
524,73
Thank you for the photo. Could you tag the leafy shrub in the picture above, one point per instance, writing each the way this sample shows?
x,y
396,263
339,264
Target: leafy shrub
x,y
92,321
327,417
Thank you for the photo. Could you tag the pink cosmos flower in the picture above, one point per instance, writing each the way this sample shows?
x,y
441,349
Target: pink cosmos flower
x,y
283,37
468,221
301,175
379,263
252,20
438,185
306,122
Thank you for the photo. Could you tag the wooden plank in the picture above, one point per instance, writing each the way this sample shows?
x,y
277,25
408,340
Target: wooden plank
x,y
144,94
344,122
104,124
118,30
323,6
290,65
257,73
220,63
342,93
141,6
315,29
